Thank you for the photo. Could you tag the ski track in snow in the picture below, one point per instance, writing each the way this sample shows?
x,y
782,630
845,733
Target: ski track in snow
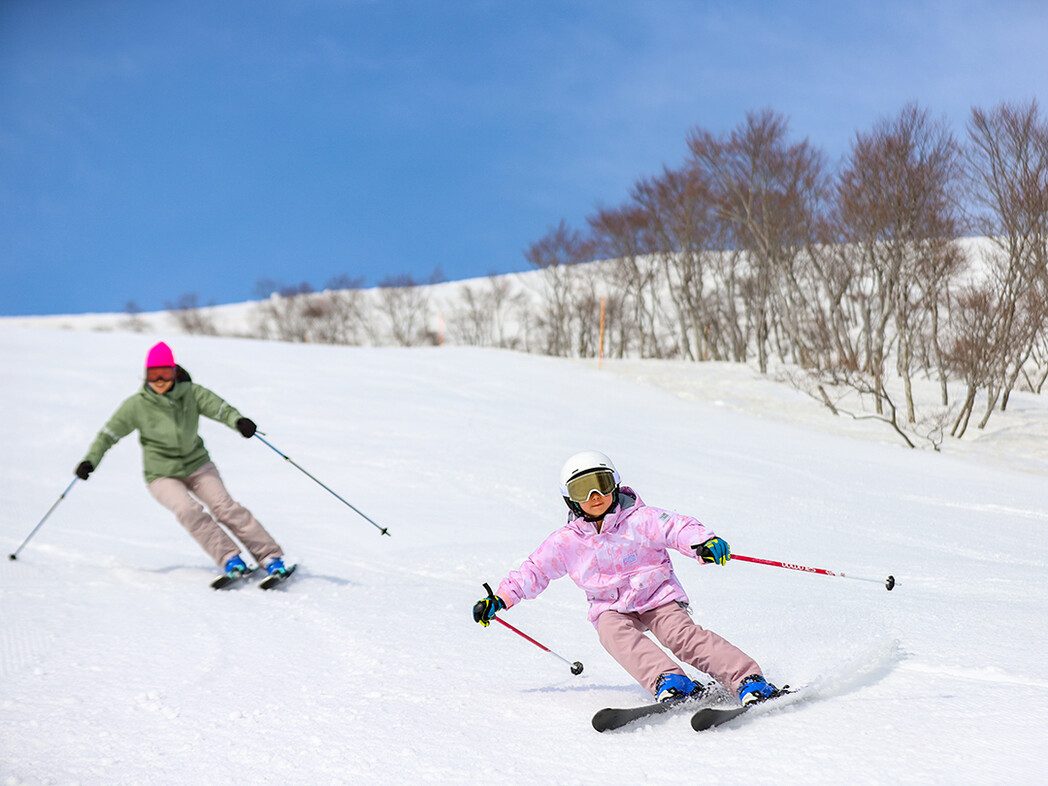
x,y
119,665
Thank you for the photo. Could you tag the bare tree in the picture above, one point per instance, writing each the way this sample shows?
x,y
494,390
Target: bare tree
x,y
483,320
190,317
586,307
972,349
471,324
624,237
557,254
681,216
340,313
1039,356
1008,171
833,317
286,312
506,308
732,285
896,211
134,321
768,191
405,304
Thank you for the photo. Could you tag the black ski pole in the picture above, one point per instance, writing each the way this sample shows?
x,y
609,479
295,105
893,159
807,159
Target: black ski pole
x,y
287,458
14,554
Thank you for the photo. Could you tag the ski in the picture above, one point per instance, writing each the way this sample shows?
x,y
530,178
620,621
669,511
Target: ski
x,y
616,717
711,717
227,579
274,581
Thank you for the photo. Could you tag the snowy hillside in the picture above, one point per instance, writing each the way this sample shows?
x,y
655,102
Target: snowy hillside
x,y
119,665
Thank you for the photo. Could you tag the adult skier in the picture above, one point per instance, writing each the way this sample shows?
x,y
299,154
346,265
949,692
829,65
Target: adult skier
x,y
179,472
615,548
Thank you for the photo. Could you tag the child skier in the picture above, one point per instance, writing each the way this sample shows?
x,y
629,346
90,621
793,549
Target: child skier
x,y
178,470
615,548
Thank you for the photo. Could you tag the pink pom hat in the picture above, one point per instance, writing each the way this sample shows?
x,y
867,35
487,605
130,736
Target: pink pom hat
x,y
160,355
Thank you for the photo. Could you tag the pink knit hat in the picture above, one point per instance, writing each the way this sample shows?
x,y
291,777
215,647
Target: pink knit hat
x,y
160,355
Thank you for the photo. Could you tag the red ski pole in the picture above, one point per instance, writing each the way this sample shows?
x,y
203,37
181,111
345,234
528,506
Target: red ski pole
x,y
576,667
889,583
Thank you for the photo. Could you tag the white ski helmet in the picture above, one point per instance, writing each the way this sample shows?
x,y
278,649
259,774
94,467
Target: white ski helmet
x,y
582,465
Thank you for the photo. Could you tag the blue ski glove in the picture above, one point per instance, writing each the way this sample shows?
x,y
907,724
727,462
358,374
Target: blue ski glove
x,y
714,550
484,610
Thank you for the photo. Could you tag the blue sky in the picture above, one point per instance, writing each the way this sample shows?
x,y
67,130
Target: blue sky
x,y
150,150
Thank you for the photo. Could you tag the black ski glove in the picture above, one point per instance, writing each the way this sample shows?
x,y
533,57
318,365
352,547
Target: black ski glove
x,y
246,426
83,469
714,550
484,610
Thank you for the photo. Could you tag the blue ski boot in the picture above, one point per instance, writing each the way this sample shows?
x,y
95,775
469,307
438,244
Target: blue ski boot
x,y
671,686
235,567
754,689
276,566
277,573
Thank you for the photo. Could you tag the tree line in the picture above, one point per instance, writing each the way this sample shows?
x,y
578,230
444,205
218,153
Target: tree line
x,y
855,277
757,249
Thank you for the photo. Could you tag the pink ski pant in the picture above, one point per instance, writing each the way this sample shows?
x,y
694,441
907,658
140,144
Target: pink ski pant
x,y
622,635
180,495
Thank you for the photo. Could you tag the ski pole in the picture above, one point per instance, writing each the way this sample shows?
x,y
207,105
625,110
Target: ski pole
x,y
287,458
889,582
14,554
576,667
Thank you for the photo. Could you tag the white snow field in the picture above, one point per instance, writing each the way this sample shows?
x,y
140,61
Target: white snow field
x,y
119,665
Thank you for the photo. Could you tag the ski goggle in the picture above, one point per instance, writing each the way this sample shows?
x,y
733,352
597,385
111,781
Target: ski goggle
x,y
160,374
579,488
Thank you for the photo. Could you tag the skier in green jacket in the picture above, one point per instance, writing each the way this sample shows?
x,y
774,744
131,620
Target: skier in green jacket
x,y
178,470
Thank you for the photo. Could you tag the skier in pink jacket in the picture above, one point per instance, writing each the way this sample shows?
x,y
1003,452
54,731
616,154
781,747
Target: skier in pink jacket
x,y
615,548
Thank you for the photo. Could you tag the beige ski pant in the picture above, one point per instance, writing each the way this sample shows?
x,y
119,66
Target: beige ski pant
x,y
181,495
622,635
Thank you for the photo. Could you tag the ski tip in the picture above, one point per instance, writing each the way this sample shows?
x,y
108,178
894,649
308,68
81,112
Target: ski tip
x,y
600,719
711,717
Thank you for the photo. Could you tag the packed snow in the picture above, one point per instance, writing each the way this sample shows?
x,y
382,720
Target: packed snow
x,y
119,665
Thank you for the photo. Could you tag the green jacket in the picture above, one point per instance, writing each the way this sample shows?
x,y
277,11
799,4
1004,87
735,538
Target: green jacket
x,y
167,428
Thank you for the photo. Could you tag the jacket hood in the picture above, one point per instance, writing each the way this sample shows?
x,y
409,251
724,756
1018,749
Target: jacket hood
x,y
628,502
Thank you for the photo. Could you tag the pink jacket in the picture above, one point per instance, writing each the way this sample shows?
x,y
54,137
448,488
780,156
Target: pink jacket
x,y
626,567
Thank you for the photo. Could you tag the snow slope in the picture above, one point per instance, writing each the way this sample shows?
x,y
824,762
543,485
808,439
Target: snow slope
x,y
119,665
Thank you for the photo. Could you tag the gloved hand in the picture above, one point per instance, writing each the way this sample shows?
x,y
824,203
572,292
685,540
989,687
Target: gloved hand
x,y
246,426
83,469
484,610
714,550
